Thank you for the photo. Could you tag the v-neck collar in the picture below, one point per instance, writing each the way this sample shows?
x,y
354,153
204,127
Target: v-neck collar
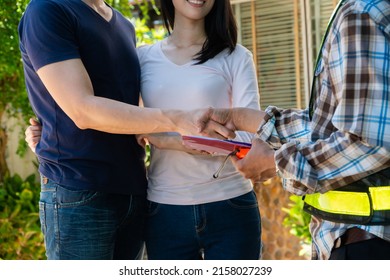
x,y
110,21
165,57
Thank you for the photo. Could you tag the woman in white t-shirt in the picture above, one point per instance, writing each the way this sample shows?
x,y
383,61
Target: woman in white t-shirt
x,y
192,215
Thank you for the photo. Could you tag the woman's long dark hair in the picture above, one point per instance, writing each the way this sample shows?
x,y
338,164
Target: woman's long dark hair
x,y
220,26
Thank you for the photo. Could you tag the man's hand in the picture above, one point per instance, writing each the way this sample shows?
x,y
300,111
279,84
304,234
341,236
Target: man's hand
x,y
224,117
244,119
258,165
33,134
200,122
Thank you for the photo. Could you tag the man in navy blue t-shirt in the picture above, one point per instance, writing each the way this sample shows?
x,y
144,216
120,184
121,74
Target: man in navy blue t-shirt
x,y
82,76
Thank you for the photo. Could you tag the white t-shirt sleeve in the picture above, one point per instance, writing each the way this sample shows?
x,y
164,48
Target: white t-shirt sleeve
x,y
245,92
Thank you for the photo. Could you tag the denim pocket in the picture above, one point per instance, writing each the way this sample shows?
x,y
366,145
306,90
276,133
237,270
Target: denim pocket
x,y
71,198
246,201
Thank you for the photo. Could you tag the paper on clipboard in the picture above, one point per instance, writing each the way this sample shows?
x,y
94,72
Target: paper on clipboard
x,y
216,146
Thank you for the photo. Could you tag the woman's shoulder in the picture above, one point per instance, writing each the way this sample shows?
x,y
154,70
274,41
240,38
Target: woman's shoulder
x,y
240,50
238,55
143,50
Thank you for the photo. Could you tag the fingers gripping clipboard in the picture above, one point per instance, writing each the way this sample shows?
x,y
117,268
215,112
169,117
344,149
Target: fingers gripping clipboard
x,y
216,146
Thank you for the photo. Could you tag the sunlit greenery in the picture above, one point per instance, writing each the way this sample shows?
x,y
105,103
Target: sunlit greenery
x,y
297,220
20,234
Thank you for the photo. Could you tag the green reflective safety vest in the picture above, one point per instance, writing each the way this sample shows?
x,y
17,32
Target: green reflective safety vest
x,y
365,202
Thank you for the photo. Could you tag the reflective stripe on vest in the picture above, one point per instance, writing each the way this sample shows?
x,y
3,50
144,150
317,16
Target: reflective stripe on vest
x,y
351,203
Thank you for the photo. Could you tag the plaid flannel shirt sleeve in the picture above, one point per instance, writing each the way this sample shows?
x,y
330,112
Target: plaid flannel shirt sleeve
x,y
348,137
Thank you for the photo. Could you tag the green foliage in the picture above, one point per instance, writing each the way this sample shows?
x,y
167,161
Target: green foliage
x,y
20,233
144,6
123,6
13,96
297,220
146,35
126,7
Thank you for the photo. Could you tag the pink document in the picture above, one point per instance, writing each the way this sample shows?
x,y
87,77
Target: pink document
x,y
217,146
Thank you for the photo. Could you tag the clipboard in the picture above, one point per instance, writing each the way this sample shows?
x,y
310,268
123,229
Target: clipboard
x,y
216,146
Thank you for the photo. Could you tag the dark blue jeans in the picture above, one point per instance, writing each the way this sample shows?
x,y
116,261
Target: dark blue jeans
x,y
90,225
223,230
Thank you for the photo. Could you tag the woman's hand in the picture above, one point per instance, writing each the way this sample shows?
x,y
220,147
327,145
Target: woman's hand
x,y
33,134
167,141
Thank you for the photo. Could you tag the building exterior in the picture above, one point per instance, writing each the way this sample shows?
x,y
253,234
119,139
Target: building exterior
x,y
284,37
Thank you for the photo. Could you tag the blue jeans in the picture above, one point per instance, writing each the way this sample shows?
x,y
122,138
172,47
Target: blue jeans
x,y
223,230
90,225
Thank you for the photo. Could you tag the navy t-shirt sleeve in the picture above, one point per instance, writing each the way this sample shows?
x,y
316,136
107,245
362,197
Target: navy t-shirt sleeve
x,y
48,34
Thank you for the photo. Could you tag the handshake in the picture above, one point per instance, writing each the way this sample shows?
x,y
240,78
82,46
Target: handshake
x,y
258,165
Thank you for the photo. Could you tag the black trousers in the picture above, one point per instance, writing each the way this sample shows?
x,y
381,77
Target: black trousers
x,y
373,249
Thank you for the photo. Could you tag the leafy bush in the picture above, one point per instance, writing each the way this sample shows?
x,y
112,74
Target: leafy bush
x,y
297,219
20,233
146,35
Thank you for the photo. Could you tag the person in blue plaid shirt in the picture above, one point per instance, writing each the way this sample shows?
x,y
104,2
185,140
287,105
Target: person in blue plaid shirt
x,y
335,153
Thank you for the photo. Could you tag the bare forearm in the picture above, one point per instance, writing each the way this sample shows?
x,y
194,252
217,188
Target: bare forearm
x,y
247,119
115,117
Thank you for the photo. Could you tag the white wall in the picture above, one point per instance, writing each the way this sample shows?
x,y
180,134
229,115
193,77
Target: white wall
x,y
22,166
